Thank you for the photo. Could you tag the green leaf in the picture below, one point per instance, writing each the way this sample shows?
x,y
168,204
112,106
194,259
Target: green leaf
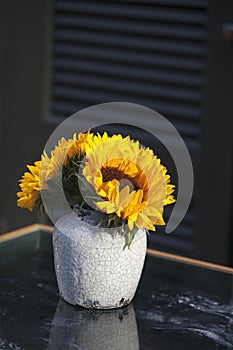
x,y
129,235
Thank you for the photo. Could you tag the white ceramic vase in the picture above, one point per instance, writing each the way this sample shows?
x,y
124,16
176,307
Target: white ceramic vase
x,y
94,269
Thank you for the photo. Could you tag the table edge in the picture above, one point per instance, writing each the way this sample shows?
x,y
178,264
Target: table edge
x,y
195,262
24,231
190,261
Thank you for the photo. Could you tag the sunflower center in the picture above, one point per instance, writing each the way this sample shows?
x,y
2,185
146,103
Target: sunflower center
x,y
110,174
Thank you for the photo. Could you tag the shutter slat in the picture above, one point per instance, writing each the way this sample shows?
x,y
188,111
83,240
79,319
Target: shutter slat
x,y
118,70
94,97
190,129
160,15
130,57
60,111
124,86
125,10
152,30
200,4
196,4
128,42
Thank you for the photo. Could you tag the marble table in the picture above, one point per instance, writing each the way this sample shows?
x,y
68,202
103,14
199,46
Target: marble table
x,y
180,304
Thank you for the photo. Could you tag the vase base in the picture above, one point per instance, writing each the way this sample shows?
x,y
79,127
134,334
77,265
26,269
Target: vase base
x,y
96,305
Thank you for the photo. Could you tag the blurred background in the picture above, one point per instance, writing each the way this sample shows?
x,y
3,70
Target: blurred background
x,y
174,56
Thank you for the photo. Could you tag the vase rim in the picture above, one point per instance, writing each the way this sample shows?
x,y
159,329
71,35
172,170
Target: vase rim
x,y
70,225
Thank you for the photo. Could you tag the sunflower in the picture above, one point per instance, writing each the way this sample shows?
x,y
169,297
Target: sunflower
x,y
86,142
36,179
131,182
30,187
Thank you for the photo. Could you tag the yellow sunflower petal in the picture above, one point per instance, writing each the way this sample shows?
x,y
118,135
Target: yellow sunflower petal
x,y
147,184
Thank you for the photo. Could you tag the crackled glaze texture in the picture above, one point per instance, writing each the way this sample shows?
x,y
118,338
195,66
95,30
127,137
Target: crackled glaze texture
x,y
93,267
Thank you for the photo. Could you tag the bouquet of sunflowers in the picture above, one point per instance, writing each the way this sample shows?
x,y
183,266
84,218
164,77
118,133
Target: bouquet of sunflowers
x,y
114,178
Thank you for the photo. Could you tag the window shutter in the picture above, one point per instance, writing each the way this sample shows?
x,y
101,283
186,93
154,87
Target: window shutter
x,y
145,52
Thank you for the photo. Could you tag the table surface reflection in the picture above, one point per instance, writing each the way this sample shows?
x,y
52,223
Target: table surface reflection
x,y
177,306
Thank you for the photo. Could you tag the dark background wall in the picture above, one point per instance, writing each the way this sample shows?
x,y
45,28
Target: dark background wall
x,y
23,132
52,64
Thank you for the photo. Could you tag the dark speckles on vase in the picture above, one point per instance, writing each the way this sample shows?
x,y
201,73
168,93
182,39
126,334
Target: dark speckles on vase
x,y
124,302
